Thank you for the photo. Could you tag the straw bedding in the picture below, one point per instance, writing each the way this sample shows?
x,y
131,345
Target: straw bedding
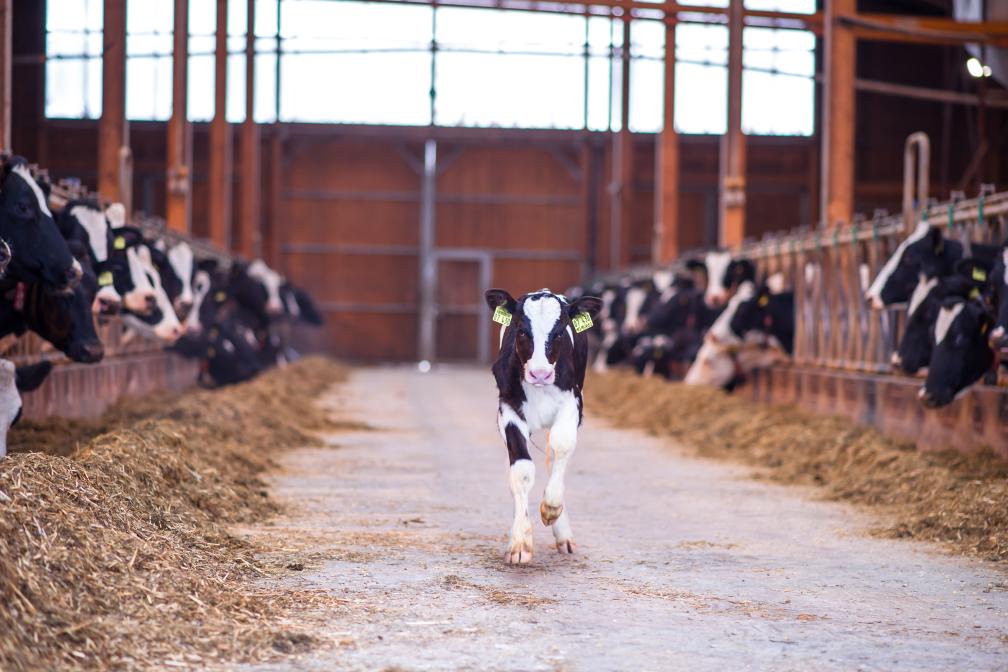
x,y
113,547
947,497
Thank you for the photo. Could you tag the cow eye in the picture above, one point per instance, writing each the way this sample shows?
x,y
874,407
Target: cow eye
x,y
523,333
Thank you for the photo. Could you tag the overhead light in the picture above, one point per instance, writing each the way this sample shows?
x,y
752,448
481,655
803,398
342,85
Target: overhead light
x,y
986,71
975,68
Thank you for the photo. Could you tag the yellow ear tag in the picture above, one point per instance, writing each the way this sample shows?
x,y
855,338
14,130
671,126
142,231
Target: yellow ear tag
x,y
983,329
974,293
582,322
119,243
220,297
105,279
979,275
764,300
502,316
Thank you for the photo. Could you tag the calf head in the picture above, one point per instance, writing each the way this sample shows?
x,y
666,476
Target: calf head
x,y
181,259
768,313
161,322
84,222
27,226
257,287
961,354
925,251
543,324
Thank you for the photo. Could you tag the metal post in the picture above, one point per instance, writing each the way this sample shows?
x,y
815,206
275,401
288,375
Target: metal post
x,y
428,271
912,210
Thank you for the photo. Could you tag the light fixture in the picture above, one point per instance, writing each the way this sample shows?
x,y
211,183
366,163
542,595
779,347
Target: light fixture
x,y
986,71
974,67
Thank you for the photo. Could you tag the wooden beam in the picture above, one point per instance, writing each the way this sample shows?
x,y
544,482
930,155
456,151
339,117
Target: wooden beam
x,y
840,53
733,155
179,178
667,234
113,129
6,55
921,29
249,240
221,141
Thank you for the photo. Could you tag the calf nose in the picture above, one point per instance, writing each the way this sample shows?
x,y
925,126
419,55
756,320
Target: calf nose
x,y
541,376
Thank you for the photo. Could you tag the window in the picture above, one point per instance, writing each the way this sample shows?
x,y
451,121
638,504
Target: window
x,y
73,59
353,61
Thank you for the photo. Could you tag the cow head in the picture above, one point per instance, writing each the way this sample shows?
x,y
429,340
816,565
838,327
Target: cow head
x,y
999,287
923,251
181,259
299,305
66,320
542,327
161,322
40,253
768,313
961,354
257,286
83,222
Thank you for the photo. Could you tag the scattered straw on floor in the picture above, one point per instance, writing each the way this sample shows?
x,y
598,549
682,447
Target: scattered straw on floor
x,y
113,552
947,497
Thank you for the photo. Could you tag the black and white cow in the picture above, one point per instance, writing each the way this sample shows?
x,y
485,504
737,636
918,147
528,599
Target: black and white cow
x,y
923,255
999,298
13,382
722,276
540,374
962,352
161,322
40,254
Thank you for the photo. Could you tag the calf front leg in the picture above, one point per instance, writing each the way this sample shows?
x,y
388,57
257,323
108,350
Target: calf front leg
x,y
563,441
515,431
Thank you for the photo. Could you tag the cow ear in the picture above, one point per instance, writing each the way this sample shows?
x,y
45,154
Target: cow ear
x,y
585,304
498,297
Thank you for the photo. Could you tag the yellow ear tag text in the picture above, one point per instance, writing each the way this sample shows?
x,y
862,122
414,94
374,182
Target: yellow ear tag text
x,y
974,293
119,243
220,297
582,322
502,316
764,300
979,275
105,279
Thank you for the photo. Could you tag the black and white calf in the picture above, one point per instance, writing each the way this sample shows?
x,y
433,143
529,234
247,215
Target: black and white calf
x,y
962,352
540,374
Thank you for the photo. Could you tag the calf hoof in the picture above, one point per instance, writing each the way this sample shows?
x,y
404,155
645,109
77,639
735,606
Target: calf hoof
x,y
566,546
519,553
549,513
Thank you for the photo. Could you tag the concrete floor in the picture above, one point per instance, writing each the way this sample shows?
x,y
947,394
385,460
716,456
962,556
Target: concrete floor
x,y
683,564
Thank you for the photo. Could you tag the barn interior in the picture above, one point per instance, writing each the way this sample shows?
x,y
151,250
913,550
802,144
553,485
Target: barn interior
x,y
381,164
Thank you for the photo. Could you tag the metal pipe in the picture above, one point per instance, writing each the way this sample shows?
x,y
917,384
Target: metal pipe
x,y
426,330
921,141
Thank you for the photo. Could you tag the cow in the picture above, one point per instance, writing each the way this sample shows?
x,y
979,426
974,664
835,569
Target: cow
x,y
722,276
40,254
999,297
83,221
962,353
540,374
914,350
925,253
161,322
13,382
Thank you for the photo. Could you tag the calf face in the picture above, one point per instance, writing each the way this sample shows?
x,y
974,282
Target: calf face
x,y
768,313
83,222
182,260
257,286
27,225
543,330
961,354
161,322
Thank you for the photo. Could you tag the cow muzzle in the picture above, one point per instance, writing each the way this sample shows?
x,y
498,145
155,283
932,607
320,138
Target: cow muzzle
x,y
540,376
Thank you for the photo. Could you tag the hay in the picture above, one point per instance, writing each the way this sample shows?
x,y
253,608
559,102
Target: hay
x,y
114,553
948,497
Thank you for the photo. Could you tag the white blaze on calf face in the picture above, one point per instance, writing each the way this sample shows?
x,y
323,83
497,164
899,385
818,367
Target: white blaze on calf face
x,y
542,313
201,287
181,259
717,265
22,171
663,280
96,225
632,321
721,331
946,317
271,280
116,215
874,293
136,300
169,328
921,291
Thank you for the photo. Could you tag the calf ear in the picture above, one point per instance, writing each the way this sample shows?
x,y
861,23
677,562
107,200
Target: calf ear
x,y
696,265
585,304
498,297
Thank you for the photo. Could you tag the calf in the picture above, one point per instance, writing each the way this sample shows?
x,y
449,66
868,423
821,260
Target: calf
x,y
540,374
999,295
723,276
161,322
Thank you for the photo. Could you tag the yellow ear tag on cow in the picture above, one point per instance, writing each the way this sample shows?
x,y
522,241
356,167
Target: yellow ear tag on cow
x,y
502,316
582,322
979,275
983,329
764,300
211,352
220,297
105,279
119,243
